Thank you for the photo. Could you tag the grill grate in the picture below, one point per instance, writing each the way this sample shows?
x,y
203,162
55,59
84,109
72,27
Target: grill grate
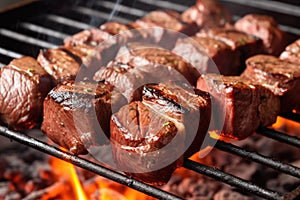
x,y
50,26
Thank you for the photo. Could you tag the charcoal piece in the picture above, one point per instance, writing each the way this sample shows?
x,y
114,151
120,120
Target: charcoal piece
x,y
23,86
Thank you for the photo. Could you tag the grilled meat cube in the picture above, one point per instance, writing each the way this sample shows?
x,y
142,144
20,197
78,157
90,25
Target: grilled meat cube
x,y
139,64
150,138
281,77
247,45
167,19
146,144
292,53
207,14
93,47
91,37
266,28
245,105
200,50
195,109
23,86
130,78
114,28
137,53
60,64
77,114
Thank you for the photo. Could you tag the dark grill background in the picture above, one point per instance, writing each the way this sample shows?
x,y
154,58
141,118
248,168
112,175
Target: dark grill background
x,y
44,24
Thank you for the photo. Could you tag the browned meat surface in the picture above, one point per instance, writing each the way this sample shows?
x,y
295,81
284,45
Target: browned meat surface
x,y
167,19
195,106
281,77
77,114
207,14
266,28
91,37
146,145
142,64
59,63
23,86
137,53
93,47
245,105
114,28
292,52
247,45
201,51
149,138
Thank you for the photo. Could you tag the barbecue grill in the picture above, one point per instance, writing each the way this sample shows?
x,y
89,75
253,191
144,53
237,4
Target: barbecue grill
x,y
41,24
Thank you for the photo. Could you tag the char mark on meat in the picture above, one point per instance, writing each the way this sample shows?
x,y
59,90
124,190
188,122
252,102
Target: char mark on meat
x,y
77,114
279,76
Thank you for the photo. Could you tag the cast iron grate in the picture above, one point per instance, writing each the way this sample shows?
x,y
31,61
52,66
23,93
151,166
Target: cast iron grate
x,y
50,25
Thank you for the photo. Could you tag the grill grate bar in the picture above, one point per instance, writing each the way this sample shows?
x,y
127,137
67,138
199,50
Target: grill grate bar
x,y
231,180
291,116
286,168
43,30
108,16
166,4
120,7
270,5
281,137
10,53
68,22
86,164
25,38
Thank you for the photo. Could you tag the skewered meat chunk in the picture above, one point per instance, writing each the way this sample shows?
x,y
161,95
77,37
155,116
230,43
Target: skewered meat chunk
x,y
77,114
130,78
207,14
114,28
60,64
201,51
146,144
93,47
245,105
247,45
281,77
150,137
196,107
137,53
266,28
23,86
139,64
91,37
167,19
292,53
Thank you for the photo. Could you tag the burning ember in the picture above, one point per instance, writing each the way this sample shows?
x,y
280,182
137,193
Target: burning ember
x,y
30,175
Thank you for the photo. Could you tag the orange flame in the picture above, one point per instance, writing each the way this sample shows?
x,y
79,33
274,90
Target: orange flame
x,y
287,126
67,171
